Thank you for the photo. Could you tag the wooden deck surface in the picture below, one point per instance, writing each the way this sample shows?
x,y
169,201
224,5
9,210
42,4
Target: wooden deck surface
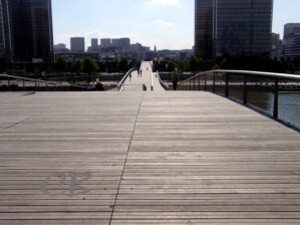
x,y
144,158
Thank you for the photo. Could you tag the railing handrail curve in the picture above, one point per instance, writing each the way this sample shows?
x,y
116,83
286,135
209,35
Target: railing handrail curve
x,y
120,84
40,81
248,72
163,84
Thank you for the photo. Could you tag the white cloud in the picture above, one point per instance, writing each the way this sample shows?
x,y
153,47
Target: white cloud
x,y
163,2
161,23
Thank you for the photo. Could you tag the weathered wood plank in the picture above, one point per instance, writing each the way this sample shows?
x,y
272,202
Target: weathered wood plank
x,y
147,158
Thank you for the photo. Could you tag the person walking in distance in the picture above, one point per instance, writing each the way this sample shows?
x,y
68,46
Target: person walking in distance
x,y
175,79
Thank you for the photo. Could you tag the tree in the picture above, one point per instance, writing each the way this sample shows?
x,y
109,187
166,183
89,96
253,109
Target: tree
x,y
123,64
196,63
182,65
215,67
61,65
77,67
171,66
90,66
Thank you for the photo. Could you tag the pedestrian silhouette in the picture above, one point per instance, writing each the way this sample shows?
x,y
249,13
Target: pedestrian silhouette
x,y
175,79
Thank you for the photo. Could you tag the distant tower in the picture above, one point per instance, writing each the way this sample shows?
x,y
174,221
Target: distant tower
x,y
155,50
233,27
94,43
77,44
26,30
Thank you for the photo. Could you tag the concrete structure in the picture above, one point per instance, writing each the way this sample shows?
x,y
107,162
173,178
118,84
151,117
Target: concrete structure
x,y
276,46
94,42
124,44
290,29
94,46
60,48
291,41
232,27
26,30
105,42
77,44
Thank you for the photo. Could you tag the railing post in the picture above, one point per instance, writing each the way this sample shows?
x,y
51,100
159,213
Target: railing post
x,y
23,85
8,83
245,100
214,83
35,86
199,83
227,85
275,108
205,82
194,88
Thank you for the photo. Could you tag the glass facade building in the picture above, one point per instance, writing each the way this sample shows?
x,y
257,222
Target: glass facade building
x,y
233,27
291,41
27,30
2,39
204,28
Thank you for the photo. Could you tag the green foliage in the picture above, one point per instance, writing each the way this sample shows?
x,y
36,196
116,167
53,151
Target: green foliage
x,y
171,66
196,64
77,67
123,64
255,63
90,66
215,67
37,70
61,65
182,66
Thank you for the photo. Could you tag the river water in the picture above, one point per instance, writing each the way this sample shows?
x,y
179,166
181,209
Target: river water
x,y
288,109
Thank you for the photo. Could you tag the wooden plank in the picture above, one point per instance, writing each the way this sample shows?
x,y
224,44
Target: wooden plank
x,y
152,158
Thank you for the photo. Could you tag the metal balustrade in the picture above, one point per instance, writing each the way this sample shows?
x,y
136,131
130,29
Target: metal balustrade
x,y
270,93
16,83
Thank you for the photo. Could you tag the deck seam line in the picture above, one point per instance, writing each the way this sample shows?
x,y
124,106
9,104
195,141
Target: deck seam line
x,y
126,158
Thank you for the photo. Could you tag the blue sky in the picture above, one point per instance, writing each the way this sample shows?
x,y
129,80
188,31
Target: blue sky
x,y
167,23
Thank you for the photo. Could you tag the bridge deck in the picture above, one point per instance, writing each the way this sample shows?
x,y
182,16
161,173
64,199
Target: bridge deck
x,y
144,158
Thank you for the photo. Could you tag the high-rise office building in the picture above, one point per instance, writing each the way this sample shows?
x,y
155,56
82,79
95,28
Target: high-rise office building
x,y
105,42
77,44
26,30
232,27
94,42
291,41
2,40
291,29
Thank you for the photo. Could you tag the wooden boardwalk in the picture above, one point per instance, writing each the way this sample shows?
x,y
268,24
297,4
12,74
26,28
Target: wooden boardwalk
x,y
144,158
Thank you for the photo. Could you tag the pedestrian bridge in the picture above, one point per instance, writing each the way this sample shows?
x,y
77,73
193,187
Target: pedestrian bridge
x,y
144,157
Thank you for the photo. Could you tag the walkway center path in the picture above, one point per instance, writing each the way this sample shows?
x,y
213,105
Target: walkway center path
x,y
143,157
143,77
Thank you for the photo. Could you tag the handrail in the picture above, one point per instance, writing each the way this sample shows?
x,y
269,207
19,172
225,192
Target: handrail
x,y
120,84
240,85
40,81
163,84
27,79
247,72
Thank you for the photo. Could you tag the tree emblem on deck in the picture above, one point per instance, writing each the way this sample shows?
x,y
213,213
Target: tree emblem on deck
x,y
66,183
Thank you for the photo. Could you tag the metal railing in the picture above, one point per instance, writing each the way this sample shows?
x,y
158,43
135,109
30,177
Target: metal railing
x,y
274,94
121,83
163,84
16,83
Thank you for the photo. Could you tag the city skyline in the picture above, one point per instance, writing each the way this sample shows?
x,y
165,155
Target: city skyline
x,y
168,24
